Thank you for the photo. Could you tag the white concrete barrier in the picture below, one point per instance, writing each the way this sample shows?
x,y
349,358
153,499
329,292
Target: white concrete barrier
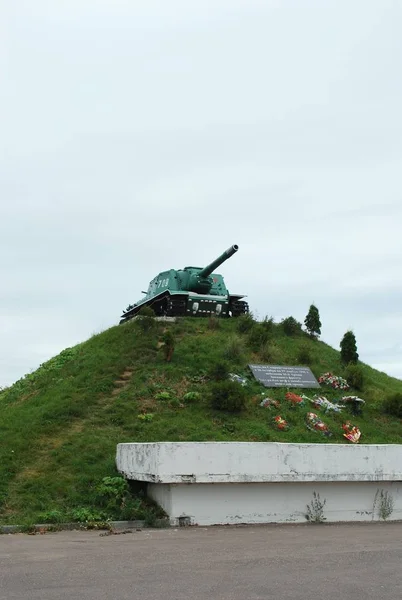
x,y
267,482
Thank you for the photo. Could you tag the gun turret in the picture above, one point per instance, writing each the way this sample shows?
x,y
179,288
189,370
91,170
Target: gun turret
x,y
200,281
206,271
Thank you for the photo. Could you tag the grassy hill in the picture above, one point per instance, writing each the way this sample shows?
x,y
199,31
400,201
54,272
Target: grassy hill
x,y
60,425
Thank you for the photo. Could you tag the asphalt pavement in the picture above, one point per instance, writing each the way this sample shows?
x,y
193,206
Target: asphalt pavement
x,y
295,562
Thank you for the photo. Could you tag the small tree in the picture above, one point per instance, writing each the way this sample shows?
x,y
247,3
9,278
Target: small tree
x,y
349,348
169,343
312,322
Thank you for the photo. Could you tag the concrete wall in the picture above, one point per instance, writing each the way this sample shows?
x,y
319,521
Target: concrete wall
x,y
228,482
239,462
237,503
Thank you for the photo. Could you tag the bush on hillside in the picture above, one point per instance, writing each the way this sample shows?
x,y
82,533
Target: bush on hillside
x,y
258,336
229,396
192,397
219,371
163,396
291,326
112,489
244,323
268,352
268,324
304,356
112,493
168,340
234,349
354,376
393,405
146,318
146,311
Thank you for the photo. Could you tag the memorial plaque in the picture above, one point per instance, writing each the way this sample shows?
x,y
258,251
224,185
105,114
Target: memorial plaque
x,y
286,377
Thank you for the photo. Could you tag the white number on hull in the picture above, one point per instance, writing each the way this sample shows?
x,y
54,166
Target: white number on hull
x,y
162,283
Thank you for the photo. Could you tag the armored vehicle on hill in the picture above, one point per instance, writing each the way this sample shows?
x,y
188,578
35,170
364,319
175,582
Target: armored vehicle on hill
x,y
191,292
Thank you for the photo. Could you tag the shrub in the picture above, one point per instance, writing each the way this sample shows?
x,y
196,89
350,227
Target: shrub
x,y
393,405
168,344
354,376
175,403
115,497
258,336
234,349
291,326
53,516
112,494
131,508
219,371
304,356
268,324
315,510
228,396
385,503
87,515
146,417
191,397
146,318
267,352
245,323
349,348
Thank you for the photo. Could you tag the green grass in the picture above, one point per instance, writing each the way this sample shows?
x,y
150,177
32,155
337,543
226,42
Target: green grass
x,y
60,425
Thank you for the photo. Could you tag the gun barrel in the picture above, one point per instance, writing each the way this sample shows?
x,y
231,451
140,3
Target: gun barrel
x,y
218,261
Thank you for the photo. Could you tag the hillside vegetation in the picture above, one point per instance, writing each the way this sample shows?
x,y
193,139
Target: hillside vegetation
x,y
60,425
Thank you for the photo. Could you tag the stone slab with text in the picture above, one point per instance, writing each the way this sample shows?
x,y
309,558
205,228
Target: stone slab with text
x,y
286,377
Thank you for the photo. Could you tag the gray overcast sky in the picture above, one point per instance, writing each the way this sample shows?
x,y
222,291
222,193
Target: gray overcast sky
x,y
138,136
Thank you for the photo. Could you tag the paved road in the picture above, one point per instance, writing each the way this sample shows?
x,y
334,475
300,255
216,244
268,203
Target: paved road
x,y
307,562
